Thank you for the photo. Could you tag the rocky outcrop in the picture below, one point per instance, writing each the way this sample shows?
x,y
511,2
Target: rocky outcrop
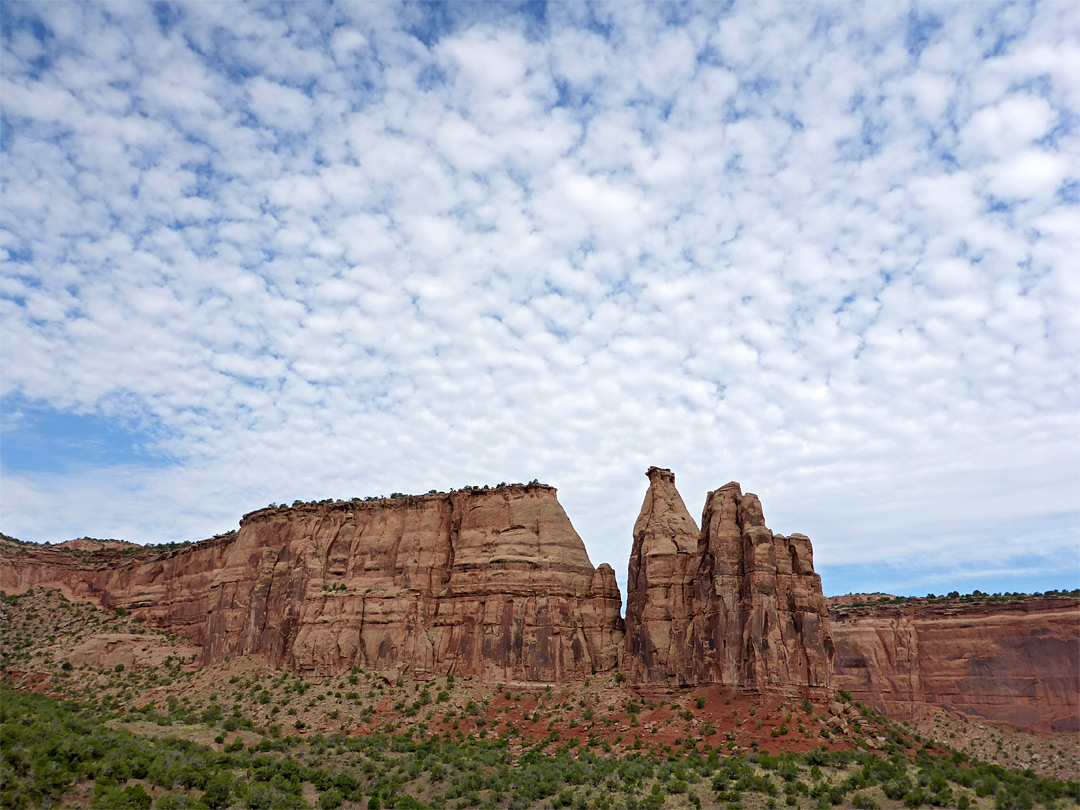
x,y
489,583
660,584
496,584
1011,663
759,595
131,650
731,604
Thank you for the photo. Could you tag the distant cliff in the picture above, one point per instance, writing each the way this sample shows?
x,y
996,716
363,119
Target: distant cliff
x,y
1013,663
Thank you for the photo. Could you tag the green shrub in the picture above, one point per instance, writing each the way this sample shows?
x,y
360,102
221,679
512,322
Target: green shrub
x,y
132,797
218,791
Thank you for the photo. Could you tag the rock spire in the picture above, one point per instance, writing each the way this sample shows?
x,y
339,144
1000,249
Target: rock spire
x,y
731,603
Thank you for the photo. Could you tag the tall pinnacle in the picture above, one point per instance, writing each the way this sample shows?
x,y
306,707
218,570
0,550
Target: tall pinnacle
x,y
660,582
733,604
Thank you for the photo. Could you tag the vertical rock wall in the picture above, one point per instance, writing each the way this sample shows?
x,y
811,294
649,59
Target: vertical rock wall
x,y
491,583
1010,663
741,606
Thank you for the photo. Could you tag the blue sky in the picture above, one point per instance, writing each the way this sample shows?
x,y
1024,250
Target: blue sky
x,y
253,253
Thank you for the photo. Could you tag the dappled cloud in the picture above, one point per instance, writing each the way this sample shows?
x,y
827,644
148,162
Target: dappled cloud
x,y
315,251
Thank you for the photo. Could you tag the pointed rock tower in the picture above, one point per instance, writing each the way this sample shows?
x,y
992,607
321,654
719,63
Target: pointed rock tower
x,y
731,604
663,565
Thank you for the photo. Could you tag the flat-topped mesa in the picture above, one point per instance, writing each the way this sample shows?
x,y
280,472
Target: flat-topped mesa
x,y
1011,663
741,606
488,583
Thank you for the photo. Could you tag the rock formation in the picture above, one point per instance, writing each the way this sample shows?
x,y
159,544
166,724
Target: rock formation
x,y
781,619
490,583
1011,663
660,584
736,605
496,584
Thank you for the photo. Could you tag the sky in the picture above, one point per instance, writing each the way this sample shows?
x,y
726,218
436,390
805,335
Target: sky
x,y
256,253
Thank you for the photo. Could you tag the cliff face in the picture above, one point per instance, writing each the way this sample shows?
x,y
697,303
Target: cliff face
x,y
497,584
732,604
1012,663
492,583
775,611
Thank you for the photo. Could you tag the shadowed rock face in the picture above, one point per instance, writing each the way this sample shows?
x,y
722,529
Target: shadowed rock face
x,y
1014,663
492,583
732,603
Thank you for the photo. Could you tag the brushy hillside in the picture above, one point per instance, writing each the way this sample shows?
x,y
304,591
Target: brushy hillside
x,y
81,731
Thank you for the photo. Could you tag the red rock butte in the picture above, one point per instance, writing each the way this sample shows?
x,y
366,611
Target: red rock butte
x,y
489,583
496,584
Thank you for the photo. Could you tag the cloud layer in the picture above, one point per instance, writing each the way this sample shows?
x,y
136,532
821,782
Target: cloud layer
x,y
311,251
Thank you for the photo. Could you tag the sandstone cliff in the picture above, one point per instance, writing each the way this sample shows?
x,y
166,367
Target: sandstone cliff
x,y
780,620
497,584
491,583
1012,663
731,604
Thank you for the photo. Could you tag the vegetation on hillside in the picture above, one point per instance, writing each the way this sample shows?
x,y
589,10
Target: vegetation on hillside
x,y
69,752
397,496
952,597
245,735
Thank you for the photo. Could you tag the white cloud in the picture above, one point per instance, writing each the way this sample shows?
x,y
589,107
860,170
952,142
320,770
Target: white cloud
x,y
1033,173
279,105
1011,124
318,257
490,61
345,42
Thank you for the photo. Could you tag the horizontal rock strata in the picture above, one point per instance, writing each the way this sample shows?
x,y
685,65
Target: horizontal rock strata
x,y
490,583
496,584
1012,663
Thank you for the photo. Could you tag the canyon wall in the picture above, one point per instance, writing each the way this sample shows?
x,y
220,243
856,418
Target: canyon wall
x,y
1012,663
496,584
490,583
731,603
